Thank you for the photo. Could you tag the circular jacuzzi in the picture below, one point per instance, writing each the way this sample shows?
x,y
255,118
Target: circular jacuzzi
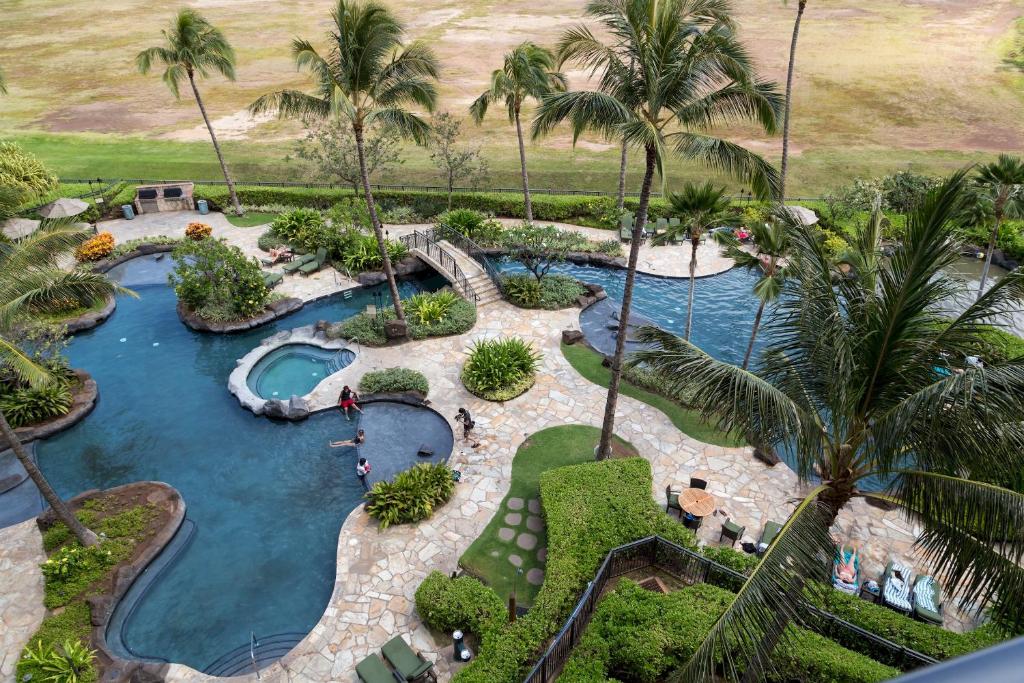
x,y
295,370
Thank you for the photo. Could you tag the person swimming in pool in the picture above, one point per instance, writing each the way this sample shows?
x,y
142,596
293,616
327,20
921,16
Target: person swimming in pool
x,y
359,440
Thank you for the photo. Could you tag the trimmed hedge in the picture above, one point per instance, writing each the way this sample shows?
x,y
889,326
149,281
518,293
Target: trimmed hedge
x,y
392,380
462,603
640,636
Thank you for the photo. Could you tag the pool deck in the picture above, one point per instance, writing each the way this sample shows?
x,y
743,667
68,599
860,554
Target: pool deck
x,y
378,571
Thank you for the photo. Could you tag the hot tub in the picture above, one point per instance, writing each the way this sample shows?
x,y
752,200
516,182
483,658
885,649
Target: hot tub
x,y
295,370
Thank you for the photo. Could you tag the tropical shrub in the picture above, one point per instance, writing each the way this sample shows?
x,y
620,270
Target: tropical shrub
x,y
460,603
500,369
95,248
198,231
394,380
72,624
298,225
361,253
553,292
369,329
429,308
400,215
23,172
485,231
522,290
411,496
71,662
26,405
834,244
269,240
130,246
218,281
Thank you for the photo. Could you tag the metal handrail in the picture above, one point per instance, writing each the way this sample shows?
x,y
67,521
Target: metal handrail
x,y
688,566
425,243
253,644
474,251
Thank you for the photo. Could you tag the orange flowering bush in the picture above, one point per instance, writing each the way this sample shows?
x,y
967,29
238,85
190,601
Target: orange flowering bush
x,y
198,231
96,247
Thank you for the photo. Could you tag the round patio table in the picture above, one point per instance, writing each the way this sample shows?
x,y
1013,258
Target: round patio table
x,y
697,502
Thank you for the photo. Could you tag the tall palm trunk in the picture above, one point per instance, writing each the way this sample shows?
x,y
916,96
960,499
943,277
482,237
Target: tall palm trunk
x,y
378,229
84,535
988,254
604,449
216,146
694,244
522,165
621,201
753,335
801,5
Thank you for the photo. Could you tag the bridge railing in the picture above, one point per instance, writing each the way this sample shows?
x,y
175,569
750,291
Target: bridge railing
x,y
474,251
424,242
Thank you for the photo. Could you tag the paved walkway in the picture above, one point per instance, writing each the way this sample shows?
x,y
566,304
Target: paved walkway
x,y
21,591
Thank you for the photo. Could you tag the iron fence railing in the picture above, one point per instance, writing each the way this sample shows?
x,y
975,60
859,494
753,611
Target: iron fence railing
x,y
474,251
425,243
691,567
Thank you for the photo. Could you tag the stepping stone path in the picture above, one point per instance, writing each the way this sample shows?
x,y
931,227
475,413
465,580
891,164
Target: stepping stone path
x,y
535,577
524,529
513,519
515,503
526,541
534,506
515,560
506,534
534,523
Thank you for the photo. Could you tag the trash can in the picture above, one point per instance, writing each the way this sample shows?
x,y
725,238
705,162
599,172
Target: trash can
x,y
128,211
203,207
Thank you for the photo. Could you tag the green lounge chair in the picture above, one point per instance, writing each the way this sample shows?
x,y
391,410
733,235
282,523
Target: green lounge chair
x,y
373,670
272,280
732,531
660,226
672,501
408,664
771,530
626,227
927,599
297,262
316,264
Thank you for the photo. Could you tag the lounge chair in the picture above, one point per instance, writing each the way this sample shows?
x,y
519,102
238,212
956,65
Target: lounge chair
x,y
661,226
282,255
316,264
846,570
297,262
732,531
373,670
927,599
272,280
768,534
626,227
408,664
896,587
672,501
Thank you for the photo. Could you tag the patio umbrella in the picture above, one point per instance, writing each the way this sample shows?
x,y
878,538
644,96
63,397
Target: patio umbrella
x,y
803,214
63,208
16,228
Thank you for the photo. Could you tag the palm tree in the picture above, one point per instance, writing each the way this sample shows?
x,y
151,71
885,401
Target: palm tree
x,y
193,46
686,72
701,207
367,77
769,258
31,280
850,386
801,5
529,71
1000,193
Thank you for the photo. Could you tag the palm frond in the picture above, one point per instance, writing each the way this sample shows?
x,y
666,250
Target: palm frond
x,y
404,123
730,158
22,365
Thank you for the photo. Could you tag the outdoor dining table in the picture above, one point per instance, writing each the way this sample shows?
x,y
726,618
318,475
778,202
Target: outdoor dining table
x,y
697,502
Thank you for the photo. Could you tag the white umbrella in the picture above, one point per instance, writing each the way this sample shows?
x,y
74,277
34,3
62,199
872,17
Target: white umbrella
x,y
63,208
803,214
16,228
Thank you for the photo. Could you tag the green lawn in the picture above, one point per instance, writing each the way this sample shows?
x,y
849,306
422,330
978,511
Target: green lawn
x,y
588,363
250,219
548,449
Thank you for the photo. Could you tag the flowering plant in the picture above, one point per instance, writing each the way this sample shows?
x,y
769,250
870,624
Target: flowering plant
x,y
198,231
95,248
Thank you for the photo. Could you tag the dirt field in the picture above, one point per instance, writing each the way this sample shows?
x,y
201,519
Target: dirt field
x,y
906,81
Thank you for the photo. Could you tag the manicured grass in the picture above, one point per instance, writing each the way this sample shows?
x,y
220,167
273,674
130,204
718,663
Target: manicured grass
x,y
548,449
250,219
588,363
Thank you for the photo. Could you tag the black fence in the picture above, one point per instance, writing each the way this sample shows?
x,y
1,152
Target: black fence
x,y
691,567
474,251
425,243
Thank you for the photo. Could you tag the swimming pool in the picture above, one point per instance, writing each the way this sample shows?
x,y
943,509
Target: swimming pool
x,y
267,498
295,370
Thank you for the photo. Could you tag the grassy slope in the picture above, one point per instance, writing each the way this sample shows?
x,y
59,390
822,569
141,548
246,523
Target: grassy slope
x,y
588,363
545,450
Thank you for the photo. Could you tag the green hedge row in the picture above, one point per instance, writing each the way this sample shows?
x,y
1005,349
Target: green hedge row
x,y
590,509
641,637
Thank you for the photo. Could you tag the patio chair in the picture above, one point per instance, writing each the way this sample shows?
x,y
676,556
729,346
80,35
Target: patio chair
x,y
626,223
408,663
768,534
696,483
672,501
373,670
896,587
297,262
927,600
271,280
692,522
316,264
732,531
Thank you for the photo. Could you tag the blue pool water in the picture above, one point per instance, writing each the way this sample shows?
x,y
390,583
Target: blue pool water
x,y
295,369
267,498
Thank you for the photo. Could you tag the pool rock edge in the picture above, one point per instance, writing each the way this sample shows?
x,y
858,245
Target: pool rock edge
x,y
274,310
295,407
83,400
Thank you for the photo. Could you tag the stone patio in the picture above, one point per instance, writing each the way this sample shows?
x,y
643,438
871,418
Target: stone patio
x,y
378,571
